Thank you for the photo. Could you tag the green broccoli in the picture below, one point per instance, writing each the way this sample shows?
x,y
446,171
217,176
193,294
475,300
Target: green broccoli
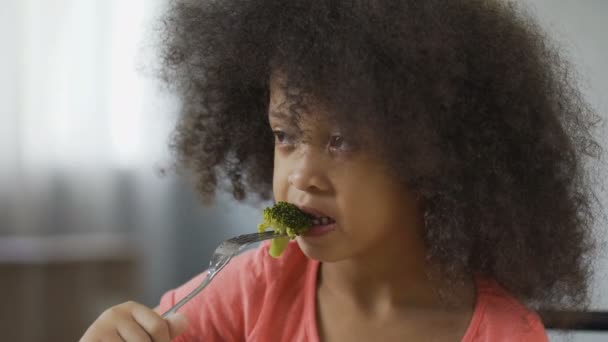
x,y
286,219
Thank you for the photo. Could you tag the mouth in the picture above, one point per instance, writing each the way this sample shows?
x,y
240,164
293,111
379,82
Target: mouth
x,y
321,222
318,217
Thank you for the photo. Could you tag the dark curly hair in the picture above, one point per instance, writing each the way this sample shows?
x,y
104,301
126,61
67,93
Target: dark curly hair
x,y
470,103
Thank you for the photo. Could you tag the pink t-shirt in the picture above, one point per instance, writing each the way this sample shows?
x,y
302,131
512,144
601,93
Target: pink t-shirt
x,y
259,298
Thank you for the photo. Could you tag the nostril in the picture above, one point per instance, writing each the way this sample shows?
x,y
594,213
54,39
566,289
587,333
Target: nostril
x,y
308,175
299,181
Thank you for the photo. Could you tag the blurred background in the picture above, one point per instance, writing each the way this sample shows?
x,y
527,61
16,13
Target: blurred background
x,y
89,215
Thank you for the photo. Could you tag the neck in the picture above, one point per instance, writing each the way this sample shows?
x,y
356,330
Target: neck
x,y
390,277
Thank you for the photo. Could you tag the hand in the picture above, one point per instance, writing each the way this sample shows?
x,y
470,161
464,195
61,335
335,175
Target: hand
x,y
133,322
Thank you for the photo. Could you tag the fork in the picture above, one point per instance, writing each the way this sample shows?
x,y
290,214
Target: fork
x,y
220,258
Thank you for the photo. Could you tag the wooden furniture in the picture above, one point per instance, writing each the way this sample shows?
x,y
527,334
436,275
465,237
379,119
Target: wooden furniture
x,y
575,320
53,287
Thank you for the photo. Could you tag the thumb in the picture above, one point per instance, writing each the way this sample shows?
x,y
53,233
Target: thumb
x,y
178,323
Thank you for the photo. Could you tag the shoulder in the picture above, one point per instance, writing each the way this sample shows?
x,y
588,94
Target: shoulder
x,y
231,304
499,316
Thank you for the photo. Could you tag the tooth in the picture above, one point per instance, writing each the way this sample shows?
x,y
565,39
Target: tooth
x,y
325,220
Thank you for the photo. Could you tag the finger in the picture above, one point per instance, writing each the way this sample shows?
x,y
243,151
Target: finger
x,y
178,323
130,331
102,331
114,337
152,323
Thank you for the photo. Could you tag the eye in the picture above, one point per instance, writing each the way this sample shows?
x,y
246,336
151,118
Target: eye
x,y
336,141
282,138
339,143
279,136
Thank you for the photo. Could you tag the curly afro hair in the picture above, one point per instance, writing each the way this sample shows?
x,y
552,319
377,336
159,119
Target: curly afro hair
x,y
470,103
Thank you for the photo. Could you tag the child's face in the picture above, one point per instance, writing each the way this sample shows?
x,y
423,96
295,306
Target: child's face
x,y
318,168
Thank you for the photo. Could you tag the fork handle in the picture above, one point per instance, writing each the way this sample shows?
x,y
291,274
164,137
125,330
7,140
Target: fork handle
x,y
218,262
190,295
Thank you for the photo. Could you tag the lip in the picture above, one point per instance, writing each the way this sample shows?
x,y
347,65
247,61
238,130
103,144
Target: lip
x,y
320,230
313,212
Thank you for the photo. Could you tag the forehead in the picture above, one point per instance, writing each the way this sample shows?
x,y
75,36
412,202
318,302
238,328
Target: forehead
x,y
291,104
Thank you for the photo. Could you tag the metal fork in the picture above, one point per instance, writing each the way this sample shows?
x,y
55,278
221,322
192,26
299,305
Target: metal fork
x,y
222,255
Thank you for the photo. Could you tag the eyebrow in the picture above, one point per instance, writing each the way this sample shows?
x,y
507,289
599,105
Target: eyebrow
x,y
285,118
279,115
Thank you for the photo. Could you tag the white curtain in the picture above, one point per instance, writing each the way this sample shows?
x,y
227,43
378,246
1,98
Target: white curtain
x,y
75,106
83,130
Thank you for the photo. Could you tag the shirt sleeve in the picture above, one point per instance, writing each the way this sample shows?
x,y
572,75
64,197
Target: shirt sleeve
x,y
499,317
536,331
221,311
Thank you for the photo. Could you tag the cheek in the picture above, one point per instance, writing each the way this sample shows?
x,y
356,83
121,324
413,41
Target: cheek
x,y
372,203
279,181
356,197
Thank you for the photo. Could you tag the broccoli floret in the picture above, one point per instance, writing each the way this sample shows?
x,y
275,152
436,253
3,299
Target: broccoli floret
x,y
286,219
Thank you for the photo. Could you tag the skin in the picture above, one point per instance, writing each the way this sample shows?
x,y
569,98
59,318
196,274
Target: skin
x,y
373,282
132,321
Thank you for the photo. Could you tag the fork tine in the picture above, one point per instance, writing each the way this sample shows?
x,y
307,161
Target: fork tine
x,y
254,237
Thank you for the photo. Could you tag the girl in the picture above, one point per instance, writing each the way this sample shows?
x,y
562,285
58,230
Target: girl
x,y
444,140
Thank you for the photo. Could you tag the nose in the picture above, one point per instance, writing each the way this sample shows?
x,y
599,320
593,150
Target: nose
x,y
309,172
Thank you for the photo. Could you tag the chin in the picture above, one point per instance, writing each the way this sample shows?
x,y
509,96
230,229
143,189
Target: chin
x,y
320,253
